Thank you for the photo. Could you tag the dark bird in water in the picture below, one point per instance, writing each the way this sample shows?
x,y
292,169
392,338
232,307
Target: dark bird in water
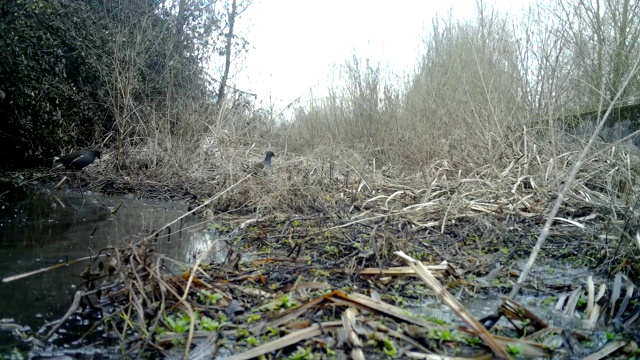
x,y
265,165
78,160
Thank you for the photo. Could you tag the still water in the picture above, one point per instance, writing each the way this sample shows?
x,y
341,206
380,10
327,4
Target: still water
x,y
39,229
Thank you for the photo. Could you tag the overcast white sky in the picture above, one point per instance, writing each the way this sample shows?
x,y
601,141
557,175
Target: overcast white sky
x,y
295,42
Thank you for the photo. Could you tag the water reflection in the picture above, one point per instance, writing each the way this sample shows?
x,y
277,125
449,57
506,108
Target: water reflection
x,y
39,229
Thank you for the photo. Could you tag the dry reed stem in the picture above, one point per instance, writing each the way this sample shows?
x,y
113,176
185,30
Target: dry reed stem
x,y
454,304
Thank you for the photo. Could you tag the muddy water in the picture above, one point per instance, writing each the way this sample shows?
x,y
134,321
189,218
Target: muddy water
x,y
39,229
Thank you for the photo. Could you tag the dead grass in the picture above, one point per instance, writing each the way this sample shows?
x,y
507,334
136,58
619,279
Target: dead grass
x,y
319,222
324,231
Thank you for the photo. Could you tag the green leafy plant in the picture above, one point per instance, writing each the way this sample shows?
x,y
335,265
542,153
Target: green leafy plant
x,y
223,318
301,354
253,341
444,335
548,301
514,349
331,250
207,323
286,302
207,297
389,348
398,300
612,336
319,272
473,340
437,321
219,228
274,331
178,323
242,333
329,350
582,301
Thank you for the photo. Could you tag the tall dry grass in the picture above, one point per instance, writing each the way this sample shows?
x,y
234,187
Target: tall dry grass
x,y
487,93
466,102
483,88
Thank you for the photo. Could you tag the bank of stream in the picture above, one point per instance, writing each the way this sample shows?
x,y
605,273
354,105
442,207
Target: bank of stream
x,y
41,228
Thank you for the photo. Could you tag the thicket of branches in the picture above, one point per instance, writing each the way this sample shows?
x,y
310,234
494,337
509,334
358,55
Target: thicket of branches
x,y
107,73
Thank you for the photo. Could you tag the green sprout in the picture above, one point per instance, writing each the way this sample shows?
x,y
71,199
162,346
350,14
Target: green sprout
x,y
241,333
177,323
389,348
207,297
443,335
473,341
223,318
437,321
301,354
548,301
329,350
582,301
253,341
318,272
208,324
331,250
286,302
514,349
612,336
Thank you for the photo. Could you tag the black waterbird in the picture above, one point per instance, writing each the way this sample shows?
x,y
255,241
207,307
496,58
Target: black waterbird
x,y
78,160
264,165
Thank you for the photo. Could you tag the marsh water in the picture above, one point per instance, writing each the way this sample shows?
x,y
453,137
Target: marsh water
x,y
39,229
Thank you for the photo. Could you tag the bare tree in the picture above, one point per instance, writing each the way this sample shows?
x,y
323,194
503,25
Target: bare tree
x,y
602,36
232,14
